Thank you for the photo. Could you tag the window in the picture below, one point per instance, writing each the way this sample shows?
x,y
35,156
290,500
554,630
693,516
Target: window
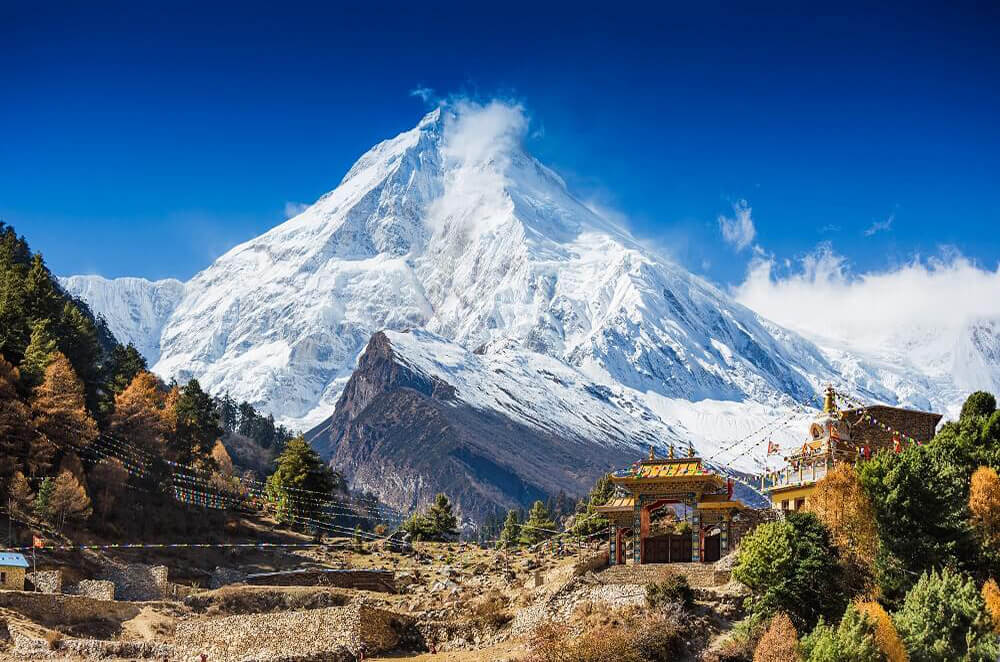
x,y
784,504
3,577
800,504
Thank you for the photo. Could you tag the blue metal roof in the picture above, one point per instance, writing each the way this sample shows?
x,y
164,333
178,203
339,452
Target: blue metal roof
x,y
10,559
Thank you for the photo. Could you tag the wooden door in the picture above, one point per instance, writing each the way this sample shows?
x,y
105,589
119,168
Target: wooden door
x,y
713,548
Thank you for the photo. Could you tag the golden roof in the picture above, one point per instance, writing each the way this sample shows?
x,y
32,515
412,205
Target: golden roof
x,y
664,469
617,503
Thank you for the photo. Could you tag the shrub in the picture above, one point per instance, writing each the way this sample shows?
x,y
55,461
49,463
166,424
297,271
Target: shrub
x,y
53,639
626,636
490,610
886,635
673,589
780,642
979,403
853,640
944,618
740,643
791,566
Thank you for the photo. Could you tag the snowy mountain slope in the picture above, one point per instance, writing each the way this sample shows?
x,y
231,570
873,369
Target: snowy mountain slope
x,y
135,309
474,240
453,228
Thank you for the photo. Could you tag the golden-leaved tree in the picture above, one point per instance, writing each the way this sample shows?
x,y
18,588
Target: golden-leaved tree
x,y
984,504
69,500
842,505
59,414
886,634
15,424
780,642
139,417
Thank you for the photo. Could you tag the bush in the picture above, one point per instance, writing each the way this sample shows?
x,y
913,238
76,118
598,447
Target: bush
x,y
979,403
490,610
791,566
854,640
780,642
944,618
741,641
673,589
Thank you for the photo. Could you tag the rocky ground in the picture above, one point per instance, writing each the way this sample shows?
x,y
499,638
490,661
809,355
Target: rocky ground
x,y
453,602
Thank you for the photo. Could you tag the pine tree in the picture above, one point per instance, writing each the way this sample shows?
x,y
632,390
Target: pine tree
x,y
300,468
15,423
589,521
124,365
78,342
59,414
68,501
442,520
197,424
538,526
43,499
510,534
44,300
41,348
138,417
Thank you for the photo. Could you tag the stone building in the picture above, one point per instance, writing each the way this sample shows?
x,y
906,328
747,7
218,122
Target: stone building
x,y
847,435
12,570
672,510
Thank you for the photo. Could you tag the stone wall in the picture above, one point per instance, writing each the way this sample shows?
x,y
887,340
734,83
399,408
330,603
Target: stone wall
x,y
49,609
97,589
917,424
137,581
362,580
47,581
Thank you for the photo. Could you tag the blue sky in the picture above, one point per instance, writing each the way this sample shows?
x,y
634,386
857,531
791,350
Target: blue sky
x,y
148,140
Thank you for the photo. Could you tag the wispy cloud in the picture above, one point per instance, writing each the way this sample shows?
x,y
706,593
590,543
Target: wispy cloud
x,y
738,231
881,226
832,227
424,93
295,208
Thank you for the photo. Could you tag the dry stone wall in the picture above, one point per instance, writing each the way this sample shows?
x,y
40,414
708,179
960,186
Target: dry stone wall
x,y
137,581
47,581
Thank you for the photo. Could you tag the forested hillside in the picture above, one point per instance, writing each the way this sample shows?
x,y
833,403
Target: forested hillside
x,y
89,438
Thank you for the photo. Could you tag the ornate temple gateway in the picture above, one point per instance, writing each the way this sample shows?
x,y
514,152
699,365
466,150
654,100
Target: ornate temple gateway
x,y
672,510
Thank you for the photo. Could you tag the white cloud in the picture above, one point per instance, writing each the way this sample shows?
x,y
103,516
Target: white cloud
x,y
822,296
295,208
880,226
424,93
738,231
476,133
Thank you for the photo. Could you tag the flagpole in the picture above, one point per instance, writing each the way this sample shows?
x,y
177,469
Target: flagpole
x,y
34,564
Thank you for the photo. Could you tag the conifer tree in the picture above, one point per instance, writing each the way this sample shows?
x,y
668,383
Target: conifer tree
x,y
68,501
300,480
588,520
124,365
15,424
41,348
43,499
197,424
538,526
441,518
44,301
59,414
510,534
138,417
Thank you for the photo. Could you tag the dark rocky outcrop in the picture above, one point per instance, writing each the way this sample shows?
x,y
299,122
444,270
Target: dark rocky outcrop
x,y
406,436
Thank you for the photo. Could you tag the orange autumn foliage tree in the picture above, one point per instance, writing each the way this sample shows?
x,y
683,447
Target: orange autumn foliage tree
x,y
139,416
991,595
984,503
59,414
15,424
886,635
842,505
780,642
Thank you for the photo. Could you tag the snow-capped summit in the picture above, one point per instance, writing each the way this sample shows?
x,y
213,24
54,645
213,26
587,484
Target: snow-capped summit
x,y
454,228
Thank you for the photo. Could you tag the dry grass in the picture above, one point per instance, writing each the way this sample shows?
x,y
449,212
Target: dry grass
x,y
53,639
490,610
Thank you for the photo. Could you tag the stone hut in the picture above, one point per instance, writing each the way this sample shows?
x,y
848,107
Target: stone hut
x,y
13,567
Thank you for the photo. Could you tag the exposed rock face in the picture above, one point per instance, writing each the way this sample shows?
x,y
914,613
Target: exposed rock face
x,y
408,435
